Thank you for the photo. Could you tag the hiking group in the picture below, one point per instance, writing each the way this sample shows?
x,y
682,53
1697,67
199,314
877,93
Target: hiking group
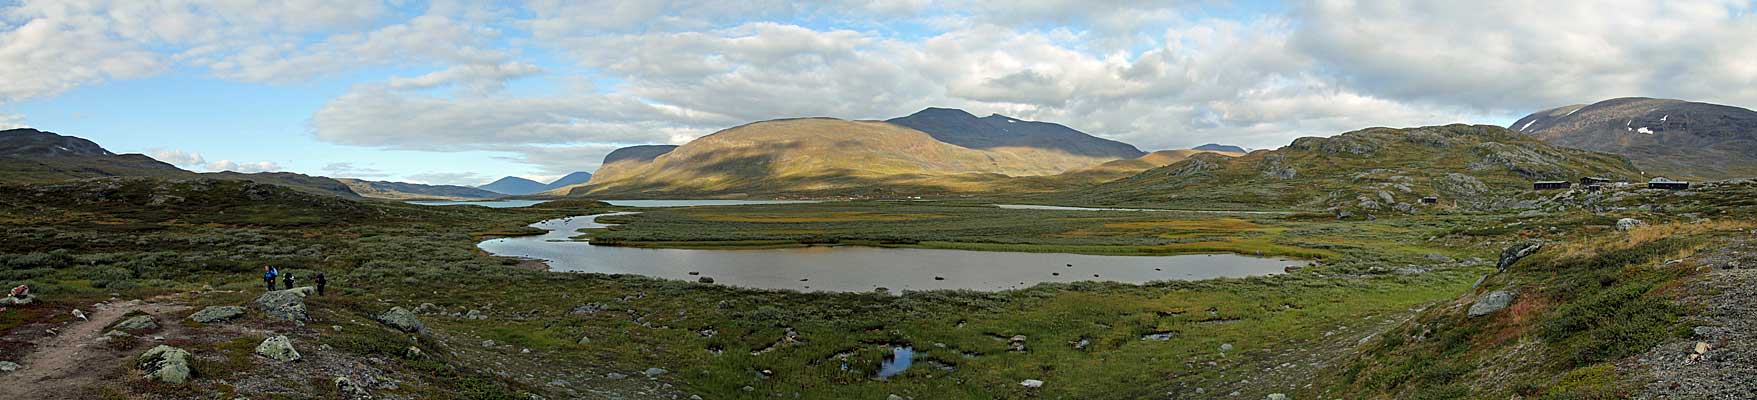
x,y
269,273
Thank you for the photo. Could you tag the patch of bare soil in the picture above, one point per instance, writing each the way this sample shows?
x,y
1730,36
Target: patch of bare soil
x,y
1719,360
66,359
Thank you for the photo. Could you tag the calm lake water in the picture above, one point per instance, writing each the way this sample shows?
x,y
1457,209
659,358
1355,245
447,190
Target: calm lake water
x,y
624,203
484,203
859,269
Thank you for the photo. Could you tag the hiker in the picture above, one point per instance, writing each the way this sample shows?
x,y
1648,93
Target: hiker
x,y
287,278
268,277
321,282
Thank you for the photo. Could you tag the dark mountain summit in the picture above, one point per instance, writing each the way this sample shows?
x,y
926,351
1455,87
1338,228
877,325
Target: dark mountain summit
x,y
1663,137
514,186
28,142
575,178
996,131
1220,147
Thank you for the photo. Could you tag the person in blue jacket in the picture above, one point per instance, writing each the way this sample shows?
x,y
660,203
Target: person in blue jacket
x,y
268,276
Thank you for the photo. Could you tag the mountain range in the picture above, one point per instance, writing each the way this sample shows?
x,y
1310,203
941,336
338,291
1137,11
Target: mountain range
x,y
517,186
1673,138
34,156
936,150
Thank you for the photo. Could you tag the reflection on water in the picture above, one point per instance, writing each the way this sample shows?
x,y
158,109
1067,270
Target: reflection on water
x,y
860,269
692,203
484,203
897,361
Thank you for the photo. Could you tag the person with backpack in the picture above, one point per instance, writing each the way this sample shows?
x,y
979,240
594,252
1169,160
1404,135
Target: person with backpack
x,y
321,282
268,276
287,279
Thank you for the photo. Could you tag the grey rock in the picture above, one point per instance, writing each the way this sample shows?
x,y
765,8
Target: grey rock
x,y
1491,302
587,309
1276,396
429,308
350,389
17,301
1515,253
475,315
655,372
1627,223
1437,257
1226,347
138,323
278,348
705,279
214,314
8,366
165,364
284,304
402,319
615,376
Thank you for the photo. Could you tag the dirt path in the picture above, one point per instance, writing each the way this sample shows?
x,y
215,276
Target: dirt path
x,y
68,363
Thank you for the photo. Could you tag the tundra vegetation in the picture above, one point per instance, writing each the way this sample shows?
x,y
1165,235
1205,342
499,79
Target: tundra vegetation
x,y
1383,316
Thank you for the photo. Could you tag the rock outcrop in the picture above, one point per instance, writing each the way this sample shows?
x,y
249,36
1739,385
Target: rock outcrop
x,y
284,304
1515,253
165,364
402,319
278,348
1491,302
214,314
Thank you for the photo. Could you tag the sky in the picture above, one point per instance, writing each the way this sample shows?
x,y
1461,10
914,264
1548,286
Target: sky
x,y
464,92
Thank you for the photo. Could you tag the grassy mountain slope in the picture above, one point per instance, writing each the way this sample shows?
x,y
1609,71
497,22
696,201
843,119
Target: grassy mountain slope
x,y
1372,170
407,191
1664,137
1124,168
817,156
1048,142
32,156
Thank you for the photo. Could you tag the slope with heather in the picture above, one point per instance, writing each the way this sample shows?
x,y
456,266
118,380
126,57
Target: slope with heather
x,y
1370,170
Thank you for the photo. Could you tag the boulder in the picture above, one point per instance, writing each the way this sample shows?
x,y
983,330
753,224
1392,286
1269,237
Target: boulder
x,y
278,348
402,319
17,301
1515,253
705,279
1491,302
284,304
1031,383
138,323
655,372
165,364
8,366
349,389
1627,223
214,314
1276,396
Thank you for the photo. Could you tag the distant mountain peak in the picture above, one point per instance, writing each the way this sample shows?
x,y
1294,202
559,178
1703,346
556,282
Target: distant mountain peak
x,y
1662,136
514,186
575,178
961,128
1220,147
27,142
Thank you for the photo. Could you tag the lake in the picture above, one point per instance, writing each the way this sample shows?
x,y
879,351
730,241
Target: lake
x,y
623,203
860,269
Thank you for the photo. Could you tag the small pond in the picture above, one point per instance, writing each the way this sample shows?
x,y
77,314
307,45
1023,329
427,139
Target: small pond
x,y
860,269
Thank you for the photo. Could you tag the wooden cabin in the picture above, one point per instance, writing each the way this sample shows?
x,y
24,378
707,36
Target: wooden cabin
x,y
1593,180
1551,185
1430,200
1667,184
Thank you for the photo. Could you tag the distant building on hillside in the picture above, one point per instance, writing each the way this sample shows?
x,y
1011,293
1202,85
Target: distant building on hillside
x,y
1551,185
1430,200
1667,184
1593,180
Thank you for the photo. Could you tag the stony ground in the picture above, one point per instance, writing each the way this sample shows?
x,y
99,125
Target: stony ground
x,y
1725,334
66,359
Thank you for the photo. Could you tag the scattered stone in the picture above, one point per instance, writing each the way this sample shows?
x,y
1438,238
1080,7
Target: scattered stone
x,y
615,376
278,348
284,304
1701,347
488,343
1437,257
8,366
705,279
1513,254
349,389
1226,347
655,372
586,309
18,301
1031,383
475,315
402,319
165,364
429,308
894,397
1491,302
1276,396
214,314
138,323
1628,223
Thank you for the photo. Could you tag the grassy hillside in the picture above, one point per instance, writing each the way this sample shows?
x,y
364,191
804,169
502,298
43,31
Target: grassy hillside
x,y
1124,168
1377,170
825,156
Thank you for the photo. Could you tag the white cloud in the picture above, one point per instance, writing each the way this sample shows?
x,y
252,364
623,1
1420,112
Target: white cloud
x,y
351,170
478,78
8,121
245,167
179,158
471,179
